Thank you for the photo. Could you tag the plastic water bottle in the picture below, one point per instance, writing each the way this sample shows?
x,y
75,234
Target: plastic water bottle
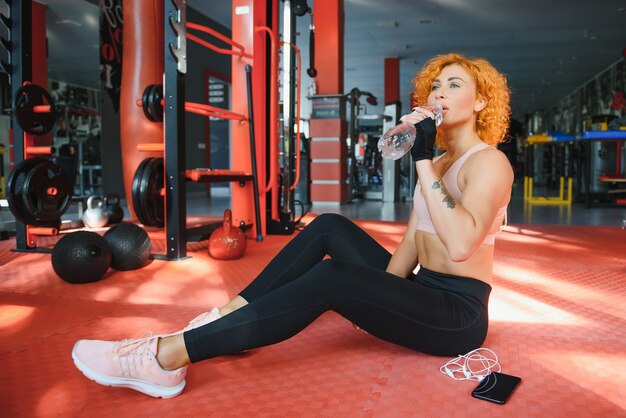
x,y
399,139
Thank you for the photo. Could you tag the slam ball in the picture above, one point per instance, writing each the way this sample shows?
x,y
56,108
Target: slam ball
x,y
130,246
81,257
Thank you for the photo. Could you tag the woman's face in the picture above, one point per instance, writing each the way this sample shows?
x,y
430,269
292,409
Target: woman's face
x,y
455,90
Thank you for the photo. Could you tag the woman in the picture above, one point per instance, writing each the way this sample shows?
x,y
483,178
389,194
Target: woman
x,y
459,204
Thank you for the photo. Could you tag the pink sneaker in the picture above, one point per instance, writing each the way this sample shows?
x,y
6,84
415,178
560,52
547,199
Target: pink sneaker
x,y
130,364
202,319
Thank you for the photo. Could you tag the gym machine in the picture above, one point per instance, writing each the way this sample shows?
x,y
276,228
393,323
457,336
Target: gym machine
x,y
354,99
281,219
601,175
549,165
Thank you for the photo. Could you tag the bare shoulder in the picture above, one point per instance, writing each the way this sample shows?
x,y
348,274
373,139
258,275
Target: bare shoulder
x,y
487,169
489,161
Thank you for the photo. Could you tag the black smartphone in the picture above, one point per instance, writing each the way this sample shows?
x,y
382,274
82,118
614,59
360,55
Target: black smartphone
x,y
496,387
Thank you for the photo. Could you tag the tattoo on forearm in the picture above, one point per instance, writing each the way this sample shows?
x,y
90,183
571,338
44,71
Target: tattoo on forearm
x,y
448,200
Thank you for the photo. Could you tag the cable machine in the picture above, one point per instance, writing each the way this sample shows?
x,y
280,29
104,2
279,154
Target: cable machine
x,y
284,223
354,99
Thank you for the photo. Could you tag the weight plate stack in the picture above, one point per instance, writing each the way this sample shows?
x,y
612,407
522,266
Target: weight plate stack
x,y
151,102
135,191
39,191
147,187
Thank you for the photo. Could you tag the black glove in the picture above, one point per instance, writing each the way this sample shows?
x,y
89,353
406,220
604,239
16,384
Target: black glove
x,y
423,147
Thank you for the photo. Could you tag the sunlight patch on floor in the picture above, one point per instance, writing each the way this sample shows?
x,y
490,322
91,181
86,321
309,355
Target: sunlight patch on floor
x,y
12,315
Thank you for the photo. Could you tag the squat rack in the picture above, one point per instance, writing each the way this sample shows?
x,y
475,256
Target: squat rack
x,y
175,66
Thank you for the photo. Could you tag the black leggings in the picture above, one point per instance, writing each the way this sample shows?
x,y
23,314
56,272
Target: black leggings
x,y
434,313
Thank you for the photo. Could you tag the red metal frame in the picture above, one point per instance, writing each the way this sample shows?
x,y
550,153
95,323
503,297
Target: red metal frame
x,y
273,178
217,112
240,53
31,150
247,17
329,34
392,80
208,110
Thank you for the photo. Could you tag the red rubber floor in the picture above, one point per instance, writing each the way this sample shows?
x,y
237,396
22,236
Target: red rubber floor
x,y
557,320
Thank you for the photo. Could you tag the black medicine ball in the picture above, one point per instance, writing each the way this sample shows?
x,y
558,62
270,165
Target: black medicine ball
x,y
81,257
130,246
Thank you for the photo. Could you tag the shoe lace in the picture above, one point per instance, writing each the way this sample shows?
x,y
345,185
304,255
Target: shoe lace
x,y
129,345
129,353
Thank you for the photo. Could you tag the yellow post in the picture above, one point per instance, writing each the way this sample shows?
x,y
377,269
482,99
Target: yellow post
x,y
569,190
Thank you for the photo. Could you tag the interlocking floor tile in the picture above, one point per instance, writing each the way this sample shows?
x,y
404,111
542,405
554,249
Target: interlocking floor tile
x,y
557,320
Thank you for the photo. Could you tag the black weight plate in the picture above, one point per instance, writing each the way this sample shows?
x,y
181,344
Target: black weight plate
x,y
151,186
156,109
26,98
157,185
151,102
15,188
136,191
47,192
144,202
153,116
144,102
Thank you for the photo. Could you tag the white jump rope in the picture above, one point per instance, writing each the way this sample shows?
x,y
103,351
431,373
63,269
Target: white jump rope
x,y
475,365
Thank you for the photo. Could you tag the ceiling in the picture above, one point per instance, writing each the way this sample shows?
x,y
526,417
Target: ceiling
x,y
547,49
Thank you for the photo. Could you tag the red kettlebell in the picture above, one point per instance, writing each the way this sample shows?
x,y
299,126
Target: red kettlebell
x,y
226,242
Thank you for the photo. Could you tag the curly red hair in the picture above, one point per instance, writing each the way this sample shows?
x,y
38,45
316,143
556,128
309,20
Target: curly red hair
x,y
493,121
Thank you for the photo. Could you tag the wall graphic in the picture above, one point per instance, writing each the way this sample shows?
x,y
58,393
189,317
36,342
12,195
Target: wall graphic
x,y
111,32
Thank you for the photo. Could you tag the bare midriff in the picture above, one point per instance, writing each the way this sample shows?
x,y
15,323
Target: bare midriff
x,y
433,255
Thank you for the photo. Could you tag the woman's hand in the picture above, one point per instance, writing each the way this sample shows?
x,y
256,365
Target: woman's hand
x,y
426,133
418,115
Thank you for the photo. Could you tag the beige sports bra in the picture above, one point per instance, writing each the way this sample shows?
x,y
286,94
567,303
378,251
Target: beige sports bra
x,y
424,222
